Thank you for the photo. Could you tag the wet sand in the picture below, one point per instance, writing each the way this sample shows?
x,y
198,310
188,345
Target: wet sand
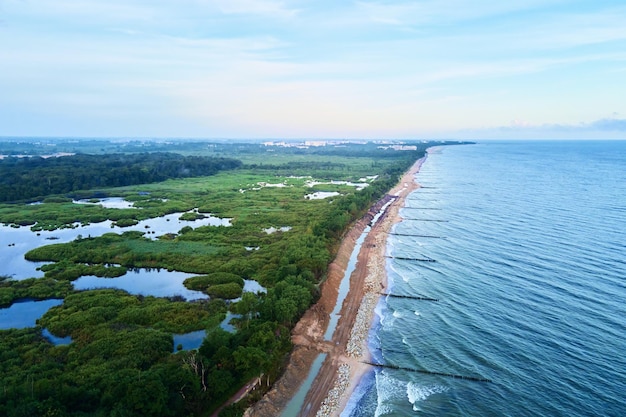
x,y
343,367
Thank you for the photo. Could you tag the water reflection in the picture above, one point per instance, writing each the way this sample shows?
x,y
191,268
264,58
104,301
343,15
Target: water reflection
x,y
225,324
320,195
154,282
109,202
193,340
16,241
250,285
25,313
273,229
55,340
189,341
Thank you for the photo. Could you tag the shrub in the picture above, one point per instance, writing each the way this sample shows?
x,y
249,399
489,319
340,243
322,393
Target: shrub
x,y
227,291
200,283
126,222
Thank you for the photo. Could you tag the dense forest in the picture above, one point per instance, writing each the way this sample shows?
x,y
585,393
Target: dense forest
x,y
122,360
35,177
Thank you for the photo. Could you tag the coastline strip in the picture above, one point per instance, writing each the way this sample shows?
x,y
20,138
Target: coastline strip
x,y
357,352
343,367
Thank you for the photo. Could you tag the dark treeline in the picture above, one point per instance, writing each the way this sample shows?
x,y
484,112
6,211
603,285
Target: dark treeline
x,y
27,178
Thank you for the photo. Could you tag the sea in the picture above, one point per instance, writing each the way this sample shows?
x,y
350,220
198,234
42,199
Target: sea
x,y
507,283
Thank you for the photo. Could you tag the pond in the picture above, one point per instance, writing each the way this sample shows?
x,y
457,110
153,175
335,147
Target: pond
x,y
109,202
357,185
320,195
25,313
193,340
55,340
16,241
156,282
189,341
273,229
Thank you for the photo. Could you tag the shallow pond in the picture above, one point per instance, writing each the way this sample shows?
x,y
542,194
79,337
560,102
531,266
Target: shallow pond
x,y
25,313
250,285
357,185
109,202
273,229
55,340
320,195
15,242
154,282
193,340
189,341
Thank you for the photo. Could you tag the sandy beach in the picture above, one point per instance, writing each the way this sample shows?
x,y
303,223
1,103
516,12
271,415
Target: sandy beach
x,y
346,353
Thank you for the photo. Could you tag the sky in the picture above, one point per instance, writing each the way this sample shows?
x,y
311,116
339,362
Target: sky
x,y
431,69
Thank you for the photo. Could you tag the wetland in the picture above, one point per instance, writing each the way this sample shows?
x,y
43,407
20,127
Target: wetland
x,y
164,294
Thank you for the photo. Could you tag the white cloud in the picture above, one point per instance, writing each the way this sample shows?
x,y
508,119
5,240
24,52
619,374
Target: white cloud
x,y
440,12
270,8
386,68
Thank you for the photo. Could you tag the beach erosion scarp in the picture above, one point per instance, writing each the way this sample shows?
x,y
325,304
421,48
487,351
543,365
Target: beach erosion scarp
x,y
346,352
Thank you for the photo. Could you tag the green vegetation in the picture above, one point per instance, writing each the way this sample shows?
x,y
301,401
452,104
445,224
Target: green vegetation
x,y
37,289
200,283
24,178
120,361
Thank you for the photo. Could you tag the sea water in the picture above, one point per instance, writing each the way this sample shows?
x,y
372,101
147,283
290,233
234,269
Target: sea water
x,y
529,247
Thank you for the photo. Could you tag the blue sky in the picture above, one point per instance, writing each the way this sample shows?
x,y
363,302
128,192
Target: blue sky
x,y
313,69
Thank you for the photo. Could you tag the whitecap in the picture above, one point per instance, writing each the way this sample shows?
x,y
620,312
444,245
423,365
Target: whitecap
x,y
387,389
416,393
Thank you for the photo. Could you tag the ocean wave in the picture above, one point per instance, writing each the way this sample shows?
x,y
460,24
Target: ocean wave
x,y
387,388
416,393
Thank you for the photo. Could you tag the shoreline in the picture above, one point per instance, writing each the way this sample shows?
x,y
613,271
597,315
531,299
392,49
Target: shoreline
x,y
376,282
343,368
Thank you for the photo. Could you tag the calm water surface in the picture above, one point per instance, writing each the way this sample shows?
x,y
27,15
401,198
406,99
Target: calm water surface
x,y
529,240
15,242
25,313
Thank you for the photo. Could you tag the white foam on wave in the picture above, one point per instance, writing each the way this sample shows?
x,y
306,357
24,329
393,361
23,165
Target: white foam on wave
x,y
417,313
398,314
391,275
386,318
416,393
387,389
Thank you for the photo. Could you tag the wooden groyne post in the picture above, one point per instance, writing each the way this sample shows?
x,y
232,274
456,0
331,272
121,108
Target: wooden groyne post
x,y
410,259
412,297
423,371
408,234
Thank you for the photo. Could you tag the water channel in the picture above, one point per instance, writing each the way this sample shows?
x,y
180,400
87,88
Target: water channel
x,y
295,405
344,286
